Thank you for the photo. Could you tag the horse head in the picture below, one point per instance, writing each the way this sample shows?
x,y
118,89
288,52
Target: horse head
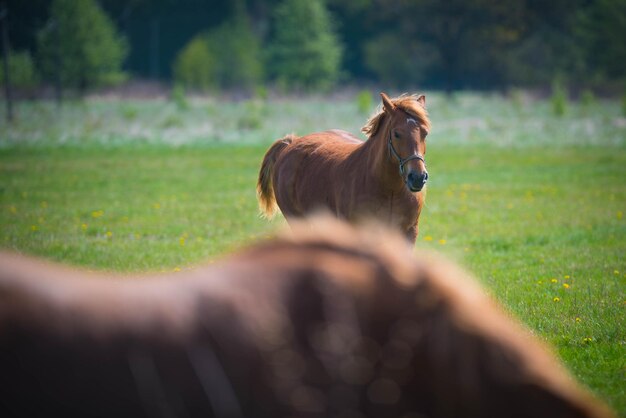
x,y
408,127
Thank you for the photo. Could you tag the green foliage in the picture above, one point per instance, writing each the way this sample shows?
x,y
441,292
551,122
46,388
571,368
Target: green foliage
x,y
304,51
543,55
22,71
436,44
602,30
449,44
252,115
113,78
178,97
261,92
171,121
194,67
129,112
364,102
81,39
226,57
399,62
237,51
558,99
587,98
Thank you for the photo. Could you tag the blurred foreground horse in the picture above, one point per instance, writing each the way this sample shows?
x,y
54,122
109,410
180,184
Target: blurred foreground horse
x,y
336,322
382,178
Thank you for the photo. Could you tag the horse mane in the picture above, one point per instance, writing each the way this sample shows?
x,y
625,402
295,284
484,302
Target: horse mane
x,y
407,103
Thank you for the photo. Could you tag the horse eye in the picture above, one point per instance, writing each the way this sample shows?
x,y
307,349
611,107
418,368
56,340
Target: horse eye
x,y
396,135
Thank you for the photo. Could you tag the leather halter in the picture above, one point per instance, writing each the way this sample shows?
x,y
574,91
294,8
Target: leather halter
x,y
402,161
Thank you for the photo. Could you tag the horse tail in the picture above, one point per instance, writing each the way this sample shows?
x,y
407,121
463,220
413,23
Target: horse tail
x,y
265,187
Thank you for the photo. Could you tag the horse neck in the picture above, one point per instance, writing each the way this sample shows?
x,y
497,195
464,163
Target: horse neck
x,y
381,164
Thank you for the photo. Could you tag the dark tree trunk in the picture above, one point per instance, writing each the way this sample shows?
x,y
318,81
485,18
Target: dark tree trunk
x,y
4,18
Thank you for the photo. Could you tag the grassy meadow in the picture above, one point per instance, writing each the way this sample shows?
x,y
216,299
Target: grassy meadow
x,y
532,204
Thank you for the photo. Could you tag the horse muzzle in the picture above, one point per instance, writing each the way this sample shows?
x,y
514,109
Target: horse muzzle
x,y
416,181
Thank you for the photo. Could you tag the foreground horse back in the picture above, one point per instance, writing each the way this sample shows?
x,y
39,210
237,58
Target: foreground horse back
x,y
331,323
382,178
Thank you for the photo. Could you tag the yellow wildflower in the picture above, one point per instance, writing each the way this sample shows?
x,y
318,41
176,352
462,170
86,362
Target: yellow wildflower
x,y
587,340
554,280
182,241
442,241
428,238
34,228
556,299
620,214
109,234
97,213
156,206
83,227
616,272
578,319
176,269
565,285
566,277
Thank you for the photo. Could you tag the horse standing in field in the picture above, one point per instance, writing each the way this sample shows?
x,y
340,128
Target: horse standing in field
x,y
383,177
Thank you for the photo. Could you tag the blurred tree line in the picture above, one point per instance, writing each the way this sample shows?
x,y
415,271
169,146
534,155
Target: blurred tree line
x,y
313,44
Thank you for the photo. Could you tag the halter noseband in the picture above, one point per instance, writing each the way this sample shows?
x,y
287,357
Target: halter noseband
x,y
401,161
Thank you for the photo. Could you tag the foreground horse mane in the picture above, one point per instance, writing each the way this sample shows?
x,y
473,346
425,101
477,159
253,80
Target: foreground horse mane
x,y
406,102
327,321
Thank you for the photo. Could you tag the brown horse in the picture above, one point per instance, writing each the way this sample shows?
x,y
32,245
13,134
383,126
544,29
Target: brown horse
x,y
383,177
327,322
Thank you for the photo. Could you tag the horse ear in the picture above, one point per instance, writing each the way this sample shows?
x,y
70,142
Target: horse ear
x,y
421,99
387,105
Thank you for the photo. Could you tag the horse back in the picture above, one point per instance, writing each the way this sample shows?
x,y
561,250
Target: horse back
x,y
311,170
332,145
341,135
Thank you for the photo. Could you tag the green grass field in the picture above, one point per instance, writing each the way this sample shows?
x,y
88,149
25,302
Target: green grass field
x,y
532,204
